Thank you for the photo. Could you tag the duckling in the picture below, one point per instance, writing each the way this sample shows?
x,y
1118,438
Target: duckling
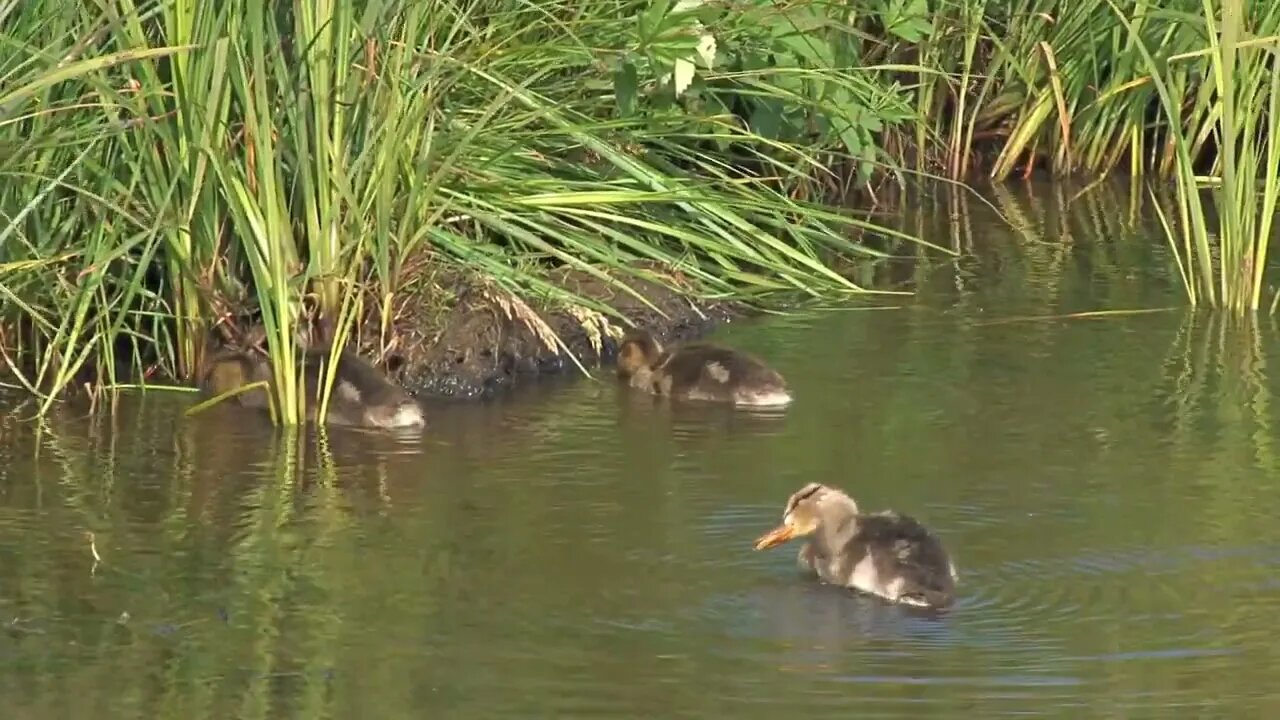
x,y
699,371
230,370
361,395
886,554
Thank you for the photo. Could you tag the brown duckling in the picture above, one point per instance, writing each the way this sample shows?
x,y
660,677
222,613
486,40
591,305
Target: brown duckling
x,y
231,370
886,554
361,395
699,371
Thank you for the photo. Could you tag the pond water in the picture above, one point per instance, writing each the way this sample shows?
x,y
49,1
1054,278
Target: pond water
x,y
1107,486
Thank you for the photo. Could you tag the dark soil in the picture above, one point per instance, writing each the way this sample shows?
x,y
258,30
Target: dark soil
x,y
468,339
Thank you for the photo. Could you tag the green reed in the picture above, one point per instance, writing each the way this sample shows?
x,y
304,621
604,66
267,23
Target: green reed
x,y
1066,86
1223,266
1071,87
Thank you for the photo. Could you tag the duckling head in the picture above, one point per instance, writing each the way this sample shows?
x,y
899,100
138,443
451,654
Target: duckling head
x,y
811,507
232,369
637,351
227,373
405,414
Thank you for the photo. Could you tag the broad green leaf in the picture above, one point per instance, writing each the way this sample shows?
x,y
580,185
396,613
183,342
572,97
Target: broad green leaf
x,y
625,83
816,51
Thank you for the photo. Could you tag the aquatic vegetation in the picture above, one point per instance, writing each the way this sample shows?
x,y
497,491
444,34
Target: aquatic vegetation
x,y
172,168
1069,86
1240,106
1184,91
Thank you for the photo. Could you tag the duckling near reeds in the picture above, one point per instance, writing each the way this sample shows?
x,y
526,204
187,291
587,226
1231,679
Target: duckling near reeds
x,y
886,554
699,371
231,370
361,395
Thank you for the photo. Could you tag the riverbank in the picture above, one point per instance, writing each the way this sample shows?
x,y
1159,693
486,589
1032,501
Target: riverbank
x,y
483,339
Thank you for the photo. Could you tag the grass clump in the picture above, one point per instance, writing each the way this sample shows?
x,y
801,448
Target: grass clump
x,y
210,162
1239,106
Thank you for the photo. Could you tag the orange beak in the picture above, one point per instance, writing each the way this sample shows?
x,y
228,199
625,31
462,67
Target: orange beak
x,y
776,536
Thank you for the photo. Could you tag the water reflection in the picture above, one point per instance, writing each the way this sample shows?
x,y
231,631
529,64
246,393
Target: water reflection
x,y
1105,485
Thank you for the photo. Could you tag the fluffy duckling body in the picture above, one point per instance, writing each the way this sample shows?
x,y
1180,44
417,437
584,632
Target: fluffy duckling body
x,y
699,371
231,370
886,554
361,395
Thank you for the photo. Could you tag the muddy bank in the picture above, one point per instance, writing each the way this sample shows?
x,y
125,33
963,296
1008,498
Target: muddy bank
x,y
466,338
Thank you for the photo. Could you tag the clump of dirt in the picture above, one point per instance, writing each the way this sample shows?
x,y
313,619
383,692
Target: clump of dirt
x,y
484,339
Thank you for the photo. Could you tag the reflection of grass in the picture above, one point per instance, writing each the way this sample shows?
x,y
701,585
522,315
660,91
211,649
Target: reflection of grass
x,y
1042,245
159,506
1217,385
1223,445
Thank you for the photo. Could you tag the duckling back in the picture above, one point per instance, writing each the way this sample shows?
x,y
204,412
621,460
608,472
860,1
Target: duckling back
x,y
704,371
898,558
361,394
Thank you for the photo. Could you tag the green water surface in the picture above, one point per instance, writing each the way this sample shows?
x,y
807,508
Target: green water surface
x,y
1108,488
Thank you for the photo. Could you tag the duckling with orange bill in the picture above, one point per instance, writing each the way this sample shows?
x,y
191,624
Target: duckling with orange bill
x,y
886,554
699,371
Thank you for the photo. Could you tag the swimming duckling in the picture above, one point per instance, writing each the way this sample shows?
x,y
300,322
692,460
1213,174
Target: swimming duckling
x,y
230,370
361,395
884,553
699,371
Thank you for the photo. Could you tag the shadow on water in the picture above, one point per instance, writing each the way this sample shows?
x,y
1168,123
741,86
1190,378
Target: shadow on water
x,y
1106,485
